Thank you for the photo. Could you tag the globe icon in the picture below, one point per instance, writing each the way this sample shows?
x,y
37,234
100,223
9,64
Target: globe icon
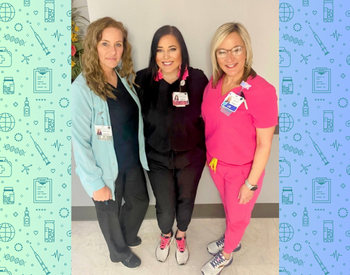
x,y
286,12
7,122
7,12
7,232
286,232
348,170
286,122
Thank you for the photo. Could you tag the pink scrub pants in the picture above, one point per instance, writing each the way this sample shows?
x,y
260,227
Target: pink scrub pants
x,y
228,180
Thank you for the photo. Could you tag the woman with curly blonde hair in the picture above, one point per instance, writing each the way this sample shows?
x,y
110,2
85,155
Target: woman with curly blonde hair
x,y
108,142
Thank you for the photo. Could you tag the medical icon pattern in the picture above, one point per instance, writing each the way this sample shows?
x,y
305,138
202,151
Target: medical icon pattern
x,y
314,165
34,115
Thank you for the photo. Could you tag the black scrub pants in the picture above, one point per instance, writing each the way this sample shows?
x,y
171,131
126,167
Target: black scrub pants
x,y
174,177
120,224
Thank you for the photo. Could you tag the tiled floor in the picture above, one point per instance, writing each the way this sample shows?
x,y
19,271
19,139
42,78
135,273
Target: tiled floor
x,y
258,256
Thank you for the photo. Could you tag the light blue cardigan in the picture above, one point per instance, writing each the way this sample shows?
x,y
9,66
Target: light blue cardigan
x,y
96,159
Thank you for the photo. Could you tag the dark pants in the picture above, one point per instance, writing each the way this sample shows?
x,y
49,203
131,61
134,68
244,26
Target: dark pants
x,y
120,224
174,178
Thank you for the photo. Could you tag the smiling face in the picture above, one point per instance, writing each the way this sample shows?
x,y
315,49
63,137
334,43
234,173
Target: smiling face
x,y
168,56
232,65
110,49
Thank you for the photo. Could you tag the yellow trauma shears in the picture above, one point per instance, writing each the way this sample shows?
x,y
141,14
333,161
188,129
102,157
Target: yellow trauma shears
x,y
213,163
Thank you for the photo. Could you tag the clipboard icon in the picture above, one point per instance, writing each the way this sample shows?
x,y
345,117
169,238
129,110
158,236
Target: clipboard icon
x,y
42,190
42,80
321,80
321,190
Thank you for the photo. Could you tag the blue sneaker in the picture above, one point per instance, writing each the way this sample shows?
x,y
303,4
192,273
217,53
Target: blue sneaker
x,y
216,265
217,246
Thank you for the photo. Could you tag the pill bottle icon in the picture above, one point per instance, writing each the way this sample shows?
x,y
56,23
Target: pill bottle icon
x,y
8,86
287,86
8,195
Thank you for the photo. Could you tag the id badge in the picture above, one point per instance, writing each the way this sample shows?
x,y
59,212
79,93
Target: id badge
x,y
103,132
180,99
231,103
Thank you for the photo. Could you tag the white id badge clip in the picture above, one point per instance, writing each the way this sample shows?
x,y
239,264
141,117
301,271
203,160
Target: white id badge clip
x,y
231,103
103,132
180,99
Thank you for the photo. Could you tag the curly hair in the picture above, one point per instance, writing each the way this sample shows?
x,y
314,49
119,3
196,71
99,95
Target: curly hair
x,y
221,33
92,71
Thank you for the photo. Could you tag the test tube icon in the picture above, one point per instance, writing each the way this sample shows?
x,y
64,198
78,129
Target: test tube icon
x,y
328,231
49,11
305,218
328,11
49,231
49,119
328,121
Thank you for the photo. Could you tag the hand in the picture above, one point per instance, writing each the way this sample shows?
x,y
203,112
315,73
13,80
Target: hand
x,y
245,194
103,194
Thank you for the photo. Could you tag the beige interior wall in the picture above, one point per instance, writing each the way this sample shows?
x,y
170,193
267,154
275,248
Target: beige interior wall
x,y
198,20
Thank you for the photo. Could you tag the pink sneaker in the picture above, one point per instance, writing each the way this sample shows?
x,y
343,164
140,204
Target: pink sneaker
x,y
181,253
162,250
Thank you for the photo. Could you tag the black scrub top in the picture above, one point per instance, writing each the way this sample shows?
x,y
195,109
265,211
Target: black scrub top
x,y
167,127
124,116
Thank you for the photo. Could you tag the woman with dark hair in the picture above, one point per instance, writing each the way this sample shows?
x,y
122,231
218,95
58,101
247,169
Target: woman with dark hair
x,y
108,141
174,134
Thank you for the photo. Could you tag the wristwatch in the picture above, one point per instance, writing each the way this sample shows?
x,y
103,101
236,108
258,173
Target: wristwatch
x,y
251,187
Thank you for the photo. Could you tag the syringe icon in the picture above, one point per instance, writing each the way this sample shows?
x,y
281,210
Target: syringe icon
x,y
319,152
319,42
44,267
41,152
324,269
40,42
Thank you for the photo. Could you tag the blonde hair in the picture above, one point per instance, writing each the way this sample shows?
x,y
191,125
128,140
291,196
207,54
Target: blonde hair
x,y
221,33
93,73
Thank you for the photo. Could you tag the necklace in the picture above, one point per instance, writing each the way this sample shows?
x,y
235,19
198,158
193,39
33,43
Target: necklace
x,y
170,77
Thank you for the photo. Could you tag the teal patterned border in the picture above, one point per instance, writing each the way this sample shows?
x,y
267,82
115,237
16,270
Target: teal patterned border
x,y
35,147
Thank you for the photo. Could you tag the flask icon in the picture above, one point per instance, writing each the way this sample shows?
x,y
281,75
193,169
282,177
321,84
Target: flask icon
x,y
26,108
26,219
305,218
305,107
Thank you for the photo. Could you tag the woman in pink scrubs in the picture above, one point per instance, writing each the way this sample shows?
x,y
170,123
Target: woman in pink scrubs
x,y
240,113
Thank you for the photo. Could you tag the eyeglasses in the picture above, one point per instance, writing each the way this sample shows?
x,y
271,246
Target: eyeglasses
x,y
222,53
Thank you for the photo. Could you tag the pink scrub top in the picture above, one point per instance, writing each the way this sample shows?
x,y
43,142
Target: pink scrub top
x,y
232,139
